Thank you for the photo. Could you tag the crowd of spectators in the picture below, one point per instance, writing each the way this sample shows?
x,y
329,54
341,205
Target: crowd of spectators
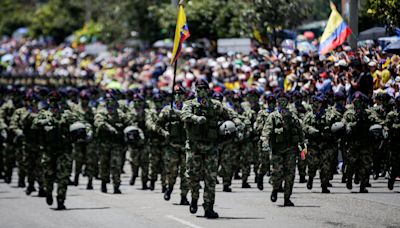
x,y
368,69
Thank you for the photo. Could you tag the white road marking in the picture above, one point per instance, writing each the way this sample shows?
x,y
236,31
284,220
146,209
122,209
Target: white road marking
x,y
184,222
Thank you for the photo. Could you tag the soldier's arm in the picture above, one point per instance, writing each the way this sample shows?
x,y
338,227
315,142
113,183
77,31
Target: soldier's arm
x,y
266,132
187,115
15,122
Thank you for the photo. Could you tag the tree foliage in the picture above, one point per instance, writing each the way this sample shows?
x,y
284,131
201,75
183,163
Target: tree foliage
x,y
386,12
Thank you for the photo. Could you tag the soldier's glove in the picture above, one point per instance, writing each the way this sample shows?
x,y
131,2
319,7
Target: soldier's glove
x,y
165,134
18,139
312,131
89,135
43,121
199,119
113,130
3,134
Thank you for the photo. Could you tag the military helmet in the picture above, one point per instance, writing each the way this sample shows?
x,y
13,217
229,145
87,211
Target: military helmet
x,y
270,98
227,128
218,96
337,127
179,89
202,83
84,95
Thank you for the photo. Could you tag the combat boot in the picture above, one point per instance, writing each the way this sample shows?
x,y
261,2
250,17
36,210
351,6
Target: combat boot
x,y
349,184
310,183
211,214
49,199
42,192
363,189
76,180
260,183
274,195
167,194
325,189
30,189
344,179
21,182
302,179
245,184
193,206
368,185
226,188
60,204
89,184
356,179
152,185
103,187
116,190
144,185
329,185
391,183
184,201
164,189
132,181
288,203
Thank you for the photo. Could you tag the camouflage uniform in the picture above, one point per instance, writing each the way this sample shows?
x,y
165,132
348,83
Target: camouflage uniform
x,y
392,124
10,149
264,156
110,122
57,157
300,109
359,154
85,151
156,147
172,126
201,117
281,136
317,127
139,152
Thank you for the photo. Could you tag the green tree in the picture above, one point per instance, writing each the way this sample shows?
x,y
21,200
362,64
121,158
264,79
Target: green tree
x,y
57,18
386,12
15,14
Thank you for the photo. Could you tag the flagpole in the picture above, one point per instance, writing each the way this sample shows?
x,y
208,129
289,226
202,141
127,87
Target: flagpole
x,y
173,85
175,67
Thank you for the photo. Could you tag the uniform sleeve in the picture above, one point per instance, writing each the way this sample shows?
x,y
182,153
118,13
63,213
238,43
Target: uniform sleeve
x,y
187,115
15,122
267,129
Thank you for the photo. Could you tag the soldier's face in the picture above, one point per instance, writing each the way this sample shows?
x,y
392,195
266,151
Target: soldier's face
x,y
202,92
138,104
282,102
358,105
271,105
179,98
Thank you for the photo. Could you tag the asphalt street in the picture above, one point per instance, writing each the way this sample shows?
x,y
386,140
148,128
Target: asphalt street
x,y
241,208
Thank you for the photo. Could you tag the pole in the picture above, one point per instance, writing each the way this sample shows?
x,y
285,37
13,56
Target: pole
x,y
173,85
353,22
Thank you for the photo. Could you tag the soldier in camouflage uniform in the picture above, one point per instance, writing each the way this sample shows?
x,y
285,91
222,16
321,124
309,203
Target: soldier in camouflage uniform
x,y
298,108
317,127
201,116
253,106
85,151
337,110
30,138
139,151
264,164
57,157
359,154
281,136
380,155
9,151
109,122
156,144
392,124
172,127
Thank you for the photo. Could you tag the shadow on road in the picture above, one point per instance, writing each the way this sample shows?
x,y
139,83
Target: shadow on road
x,y
231,218
11,197
84,208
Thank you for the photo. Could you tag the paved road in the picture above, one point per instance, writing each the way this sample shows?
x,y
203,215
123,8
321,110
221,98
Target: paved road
x,y
241,208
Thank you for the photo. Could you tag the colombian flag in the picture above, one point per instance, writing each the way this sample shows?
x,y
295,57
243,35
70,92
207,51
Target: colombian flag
x,y
335,33
181,34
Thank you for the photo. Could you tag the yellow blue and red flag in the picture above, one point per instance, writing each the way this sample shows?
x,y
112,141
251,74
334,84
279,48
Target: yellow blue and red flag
x,y
181,34
336,32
